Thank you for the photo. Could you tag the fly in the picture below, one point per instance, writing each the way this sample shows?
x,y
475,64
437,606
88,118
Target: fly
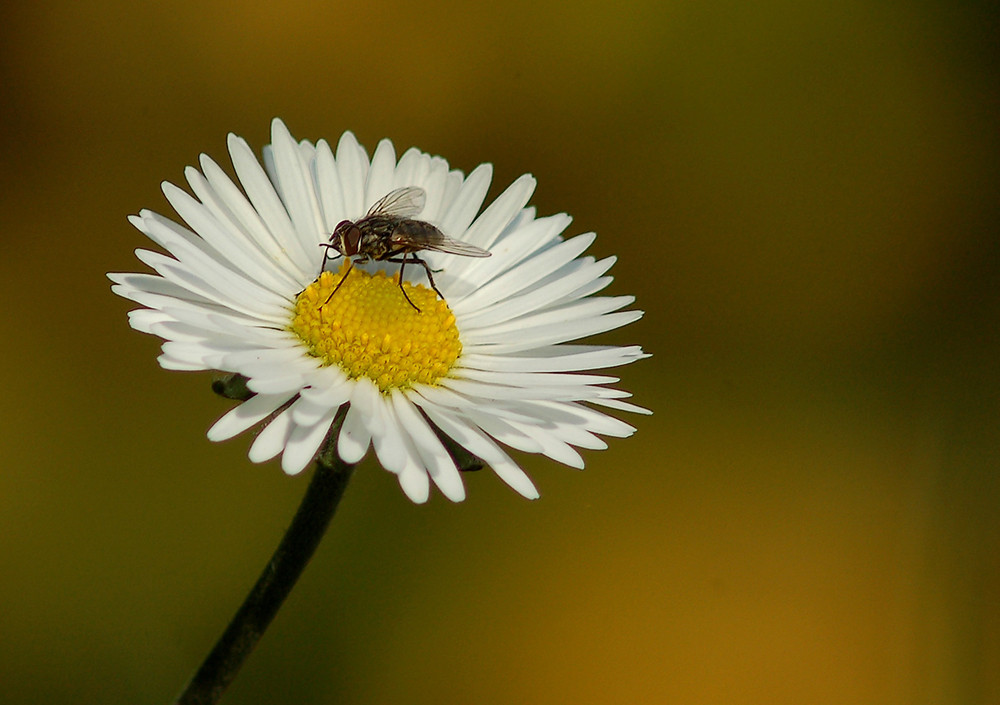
x,y
389,233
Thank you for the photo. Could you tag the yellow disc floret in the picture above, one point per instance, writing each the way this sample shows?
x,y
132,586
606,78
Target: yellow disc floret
x,y
369,329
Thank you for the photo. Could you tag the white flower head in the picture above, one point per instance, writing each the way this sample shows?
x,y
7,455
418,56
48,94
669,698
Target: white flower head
x,y
248,288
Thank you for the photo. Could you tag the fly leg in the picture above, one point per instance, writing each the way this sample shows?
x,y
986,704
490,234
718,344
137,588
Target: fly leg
x,y
339,284
402,262
326,255
430,277
417,260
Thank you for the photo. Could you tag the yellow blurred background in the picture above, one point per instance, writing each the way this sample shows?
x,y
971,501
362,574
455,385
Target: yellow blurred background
x,y
803,197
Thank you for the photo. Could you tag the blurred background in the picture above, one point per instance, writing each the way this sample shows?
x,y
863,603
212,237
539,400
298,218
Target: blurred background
x,y
803,198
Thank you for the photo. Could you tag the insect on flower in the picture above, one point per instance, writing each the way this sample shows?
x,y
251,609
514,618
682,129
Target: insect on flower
x,y
388,233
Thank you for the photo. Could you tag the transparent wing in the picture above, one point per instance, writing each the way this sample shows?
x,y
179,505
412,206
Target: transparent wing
x,y
424,236
456,247
403,202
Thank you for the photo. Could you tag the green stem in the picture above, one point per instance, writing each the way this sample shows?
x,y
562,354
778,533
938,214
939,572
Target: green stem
x,y
275,583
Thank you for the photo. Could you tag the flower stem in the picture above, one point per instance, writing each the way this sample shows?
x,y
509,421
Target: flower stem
x,y
275,583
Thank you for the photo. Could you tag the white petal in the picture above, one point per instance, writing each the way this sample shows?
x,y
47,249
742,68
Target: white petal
x,y
303,444
268,206
355,434
479,444
564,421
352,163
526,236
551,445
434,456
442,397
159,301
262,363
249,220
331,394
526,274
588,310
503,431
201,322
297,193
567,360
493,392
380,175
184,357
169,235
411,169
208,279
517,244
415,482
435,184
452,184
389,440
276,385
551,334
595,421
126,283
331,195
532,379
571,282
257,361
224,235
272,439
307,412
467,202
487,227
621,406
247,414
143,319
168,362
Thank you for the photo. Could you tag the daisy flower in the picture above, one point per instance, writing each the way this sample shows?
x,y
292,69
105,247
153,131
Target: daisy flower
x,y
253,286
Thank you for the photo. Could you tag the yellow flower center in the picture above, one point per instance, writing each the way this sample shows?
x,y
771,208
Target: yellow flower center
x,y
369,329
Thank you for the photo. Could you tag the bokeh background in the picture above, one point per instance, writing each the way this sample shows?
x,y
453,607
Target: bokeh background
x,y
803,197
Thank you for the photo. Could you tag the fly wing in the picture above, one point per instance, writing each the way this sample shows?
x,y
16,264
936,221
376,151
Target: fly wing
x,y
403,202
439,242
416,235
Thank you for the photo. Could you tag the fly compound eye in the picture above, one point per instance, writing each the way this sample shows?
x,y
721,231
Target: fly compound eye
x,y
337,239
352,239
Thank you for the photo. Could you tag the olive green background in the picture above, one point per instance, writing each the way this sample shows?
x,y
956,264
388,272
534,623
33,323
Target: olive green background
x,y
803,198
